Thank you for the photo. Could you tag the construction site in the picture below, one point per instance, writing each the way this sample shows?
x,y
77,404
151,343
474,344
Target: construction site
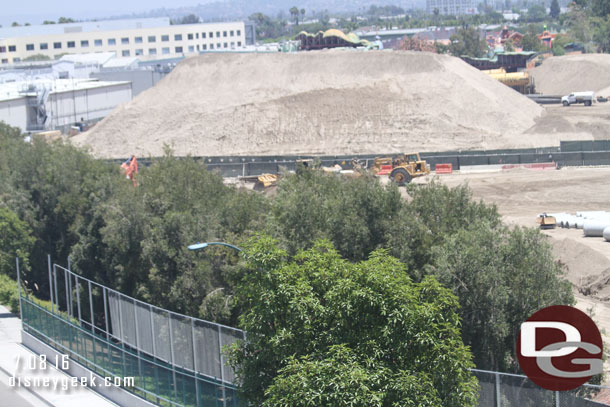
x,y
348,103
533,141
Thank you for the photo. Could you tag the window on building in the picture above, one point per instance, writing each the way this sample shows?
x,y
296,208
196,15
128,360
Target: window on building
x,y
125,40
189,36
226,45
71,44
97,43
224,33
111,41
239,43
196,35
12,48
152,38
29,47
4,60
43,45
178,50
217,34
202,35
197,47
84,43
232,44
178,37
211,34
211,46
57,45
165,50
191,48
152,51
238,33
16,59
165,38
218,45
139,52
138,40
231,33
2,49
204,47
125,53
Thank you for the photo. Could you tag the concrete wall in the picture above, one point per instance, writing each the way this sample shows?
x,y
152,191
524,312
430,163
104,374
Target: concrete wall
x,y
14,112
64,108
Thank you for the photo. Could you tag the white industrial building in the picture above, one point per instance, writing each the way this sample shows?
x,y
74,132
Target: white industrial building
x,y
55,104
451,7
147,39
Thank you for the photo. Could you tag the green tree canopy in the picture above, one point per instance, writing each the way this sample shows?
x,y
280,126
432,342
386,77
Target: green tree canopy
x,y
467,41
16,241
530,40
322,329
555,10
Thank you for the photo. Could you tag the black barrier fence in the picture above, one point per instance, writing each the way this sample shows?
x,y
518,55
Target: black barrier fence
x,y
570,153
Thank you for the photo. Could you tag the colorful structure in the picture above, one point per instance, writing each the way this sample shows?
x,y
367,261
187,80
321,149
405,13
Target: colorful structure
x,y
330,39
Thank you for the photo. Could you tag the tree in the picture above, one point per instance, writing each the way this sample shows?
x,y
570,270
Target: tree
x,y
600,8
324,331
16,242
190,19
65,20
555,10
536,13
37,57
509,46
601,33
47,22
485,266
15,24
467,41
302,14
530,41
294,12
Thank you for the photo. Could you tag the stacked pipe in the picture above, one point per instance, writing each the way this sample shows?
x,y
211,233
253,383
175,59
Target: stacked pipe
x,y
593,223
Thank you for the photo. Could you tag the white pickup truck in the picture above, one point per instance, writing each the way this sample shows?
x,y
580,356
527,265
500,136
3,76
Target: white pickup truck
x,y
578,97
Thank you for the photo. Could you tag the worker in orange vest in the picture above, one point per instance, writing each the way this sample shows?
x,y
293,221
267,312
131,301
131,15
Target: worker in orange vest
x,y
130,168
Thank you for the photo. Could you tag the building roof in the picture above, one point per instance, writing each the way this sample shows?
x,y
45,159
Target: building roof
x,y
20,89
86,26
121,62
96,58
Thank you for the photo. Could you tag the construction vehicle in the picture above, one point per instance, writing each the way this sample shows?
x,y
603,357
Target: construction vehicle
x,y
546,222
401,169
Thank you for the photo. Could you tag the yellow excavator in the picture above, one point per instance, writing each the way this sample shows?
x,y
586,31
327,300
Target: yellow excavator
x,y
401,169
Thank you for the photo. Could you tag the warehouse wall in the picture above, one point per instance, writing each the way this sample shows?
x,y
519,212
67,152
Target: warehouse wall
x,y
69,107
14,112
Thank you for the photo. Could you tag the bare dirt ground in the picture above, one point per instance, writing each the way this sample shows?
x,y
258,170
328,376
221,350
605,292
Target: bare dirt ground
x,y
574,122
522,194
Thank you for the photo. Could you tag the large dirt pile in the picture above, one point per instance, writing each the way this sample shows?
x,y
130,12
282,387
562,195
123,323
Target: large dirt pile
x,y
326,102
573,73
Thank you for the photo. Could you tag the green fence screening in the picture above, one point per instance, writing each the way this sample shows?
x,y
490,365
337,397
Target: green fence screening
x,y
158,382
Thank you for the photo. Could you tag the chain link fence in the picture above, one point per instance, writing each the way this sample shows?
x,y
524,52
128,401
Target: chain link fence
x,y
510,390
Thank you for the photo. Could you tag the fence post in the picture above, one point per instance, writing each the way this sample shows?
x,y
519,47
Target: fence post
x,y
19,287
50,284
498,393
135,316
91,308
195,367
171,351
222,368
556,399
80,317
55,286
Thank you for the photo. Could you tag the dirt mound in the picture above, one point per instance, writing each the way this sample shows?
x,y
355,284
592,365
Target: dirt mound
x,y
573,73
326,102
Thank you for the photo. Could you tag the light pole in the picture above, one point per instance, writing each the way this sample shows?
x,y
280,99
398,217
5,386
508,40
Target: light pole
x,y
199,245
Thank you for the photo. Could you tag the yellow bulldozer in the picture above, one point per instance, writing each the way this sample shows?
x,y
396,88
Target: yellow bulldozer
x,y
401,169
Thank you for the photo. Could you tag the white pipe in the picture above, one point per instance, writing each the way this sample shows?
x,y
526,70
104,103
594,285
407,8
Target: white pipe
x,y
595,228
606,234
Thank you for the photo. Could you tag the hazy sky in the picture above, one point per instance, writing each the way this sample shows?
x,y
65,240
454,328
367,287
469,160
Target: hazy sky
x,y
35,11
